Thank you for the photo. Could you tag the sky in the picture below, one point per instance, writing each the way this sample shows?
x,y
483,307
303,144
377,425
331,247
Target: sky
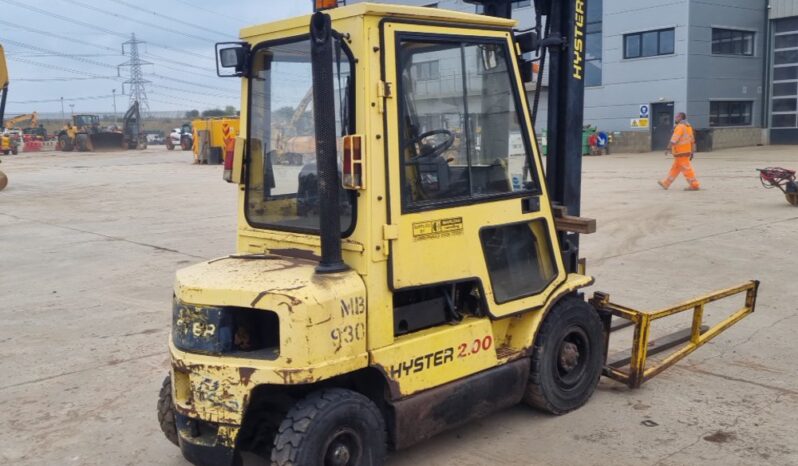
x,y
72,49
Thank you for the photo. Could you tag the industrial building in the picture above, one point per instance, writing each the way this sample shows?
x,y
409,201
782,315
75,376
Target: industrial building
x,y
732,66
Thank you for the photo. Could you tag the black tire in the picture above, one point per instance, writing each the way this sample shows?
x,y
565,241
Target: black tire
x,y
66,143
567,358
6,152
331,427
15,150
166,411
83,142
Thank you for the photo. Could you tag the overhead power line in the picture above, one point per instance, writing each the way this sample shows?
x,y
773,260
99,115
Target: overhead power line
x,y
64,78
172,19
137,21
63,68
215,13
96,27
65,99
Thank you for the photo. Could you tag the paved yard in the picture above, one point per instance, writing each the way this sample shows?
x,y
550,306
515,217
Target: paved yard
x,y
89,244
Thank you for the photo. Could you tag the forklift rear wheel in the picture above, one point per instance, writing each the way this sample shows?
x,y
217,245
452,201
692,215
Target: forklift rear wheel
x,y
166,411
567,358
333,427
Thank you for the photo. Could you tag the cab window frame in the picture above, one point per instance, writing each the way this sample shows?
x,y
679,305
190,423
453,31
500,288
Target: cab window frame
x,y
350,129
407,205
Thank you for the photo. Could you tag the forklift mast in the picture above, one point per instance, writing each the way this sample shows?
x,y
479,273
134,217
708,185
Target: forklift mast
x,y
565,42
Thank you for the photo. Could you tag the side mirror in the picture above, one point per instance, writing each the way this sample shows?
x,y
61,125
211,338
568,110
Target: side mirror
x,y
235,57
528,42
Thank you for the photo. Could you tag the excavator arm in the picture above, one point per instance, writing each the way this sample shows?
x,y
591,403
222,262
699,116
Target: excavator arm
x,y
14,122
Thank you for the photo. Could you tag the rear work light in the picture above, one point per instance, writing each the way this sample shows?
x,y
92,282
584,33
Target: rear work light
x,y
319,5
354,163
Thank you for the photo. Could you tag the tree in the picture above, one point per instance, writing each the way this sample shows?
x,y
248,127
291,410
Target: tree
x,y
192,114
216,112
230,110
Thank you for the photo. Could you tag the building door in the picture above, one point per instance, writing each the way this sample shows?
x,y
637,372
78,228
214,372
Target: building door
x,y
661,125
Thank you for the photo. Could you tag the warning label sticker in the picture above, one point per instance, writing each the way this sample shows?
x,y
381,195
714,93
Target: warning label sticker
x,y
438,228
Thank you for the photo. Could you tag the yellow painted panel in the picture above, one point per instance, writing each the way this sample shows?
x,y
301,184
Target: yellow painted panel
x,y
438,355
3,68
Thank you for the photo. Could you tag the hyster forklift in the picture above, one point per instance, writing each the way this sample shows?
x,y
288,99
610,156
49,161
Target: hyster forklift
x,y
414,275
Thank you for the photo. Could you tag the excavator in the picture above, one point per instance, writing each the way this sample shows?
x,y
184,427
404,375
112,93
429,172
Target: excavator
x,y
393,288
15,121
4,140
292,148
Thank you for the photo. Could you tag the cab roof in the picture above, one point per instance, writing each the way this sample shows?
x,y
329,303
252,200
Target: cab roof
x,y
383,10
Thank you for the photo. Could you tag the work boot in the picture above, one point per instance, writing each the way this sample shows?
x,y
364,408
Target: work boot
x,y
663,185
692,188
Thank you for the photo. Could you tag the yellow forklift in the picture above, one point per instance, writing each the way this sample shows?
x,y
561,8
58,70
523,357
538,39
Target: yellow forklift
x,y
414,275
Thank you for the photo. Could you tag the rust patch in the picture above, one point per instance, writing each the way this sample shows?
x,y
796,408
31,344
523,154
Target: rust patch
x,y
393,385
291,376
245,374
297,254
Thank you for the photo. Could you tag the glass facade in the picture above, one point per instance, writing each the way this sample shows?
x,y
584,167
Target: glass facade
x,y
784,85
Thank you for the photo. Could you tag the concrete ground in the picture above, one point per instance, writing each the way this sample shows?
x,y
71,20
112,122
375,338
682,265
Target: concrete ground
x,y
89,244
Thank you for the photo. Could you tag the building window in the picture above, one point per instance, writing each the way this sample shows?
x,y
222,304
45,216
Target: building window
x,y
427,71
480,9
730,113
732,42
649,43
593,43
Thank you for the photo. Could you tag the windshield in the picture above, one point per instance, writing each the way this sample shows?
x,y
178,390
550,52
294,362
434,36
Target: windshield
x,y
86,120
281,187
462,137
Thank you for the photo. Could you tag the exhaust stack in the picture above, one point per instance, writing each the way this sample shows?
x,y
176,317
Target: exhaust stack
x,y
326,157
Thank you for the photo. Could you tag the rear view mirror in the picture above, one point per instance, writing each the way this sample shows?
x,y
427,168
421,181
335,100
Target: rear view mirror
x,y
528,42
490,58
234,57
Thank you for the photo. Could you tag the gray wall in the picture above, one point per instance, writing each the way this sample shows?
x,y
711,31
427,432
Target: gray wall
x,y
627,84
783,8
718,77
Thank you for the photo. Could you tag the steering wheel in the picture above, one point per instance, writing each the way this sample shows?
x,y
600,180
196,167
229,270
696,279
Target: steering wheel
x,y
435,150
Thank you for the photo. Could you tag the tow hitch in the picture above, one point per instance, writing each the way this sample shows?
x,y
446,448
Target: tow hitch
x,y
631,367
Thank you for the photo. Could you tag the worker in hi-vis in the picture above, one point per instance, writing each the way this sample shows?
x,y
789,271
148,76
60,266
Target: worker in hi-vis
x,y
682,146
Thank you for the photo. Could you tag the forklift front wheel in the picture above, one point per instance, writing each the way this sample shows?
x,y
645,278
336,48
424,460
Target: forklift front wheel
x,y
166,411
567,358
333,427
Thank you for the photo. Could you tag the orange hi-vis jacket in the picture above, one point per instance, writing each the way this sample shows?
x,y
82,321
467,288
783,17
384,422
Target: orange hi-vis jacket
x,y
683,139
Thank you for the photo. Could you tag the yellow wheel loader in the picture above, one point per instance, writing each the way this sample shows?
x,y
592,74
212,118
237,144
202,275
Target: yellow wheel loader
x,y
85,134
399,283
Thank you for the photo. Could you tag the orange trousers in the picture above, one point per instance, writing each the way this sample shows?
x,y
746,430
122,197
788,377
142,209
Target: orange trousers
x,y
681,164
